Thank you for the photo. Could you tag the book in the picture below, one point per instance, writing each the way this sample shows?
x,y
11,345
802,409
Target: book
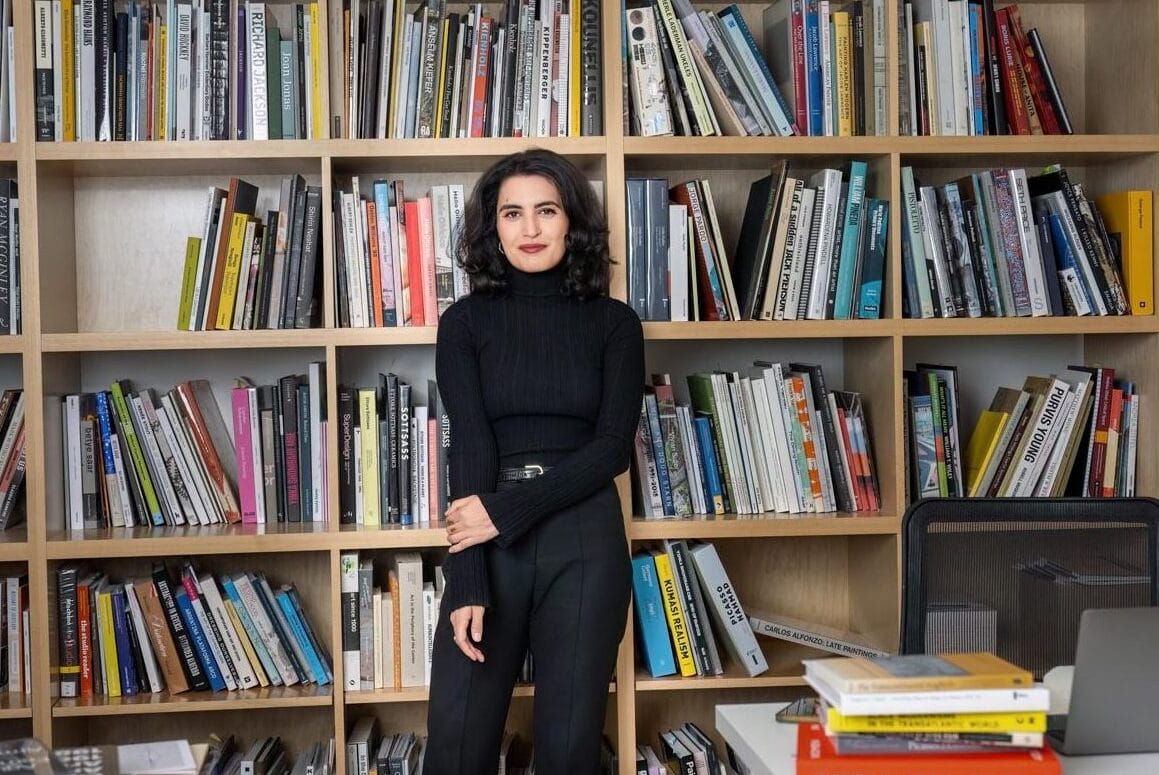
x,y
918,673
794,630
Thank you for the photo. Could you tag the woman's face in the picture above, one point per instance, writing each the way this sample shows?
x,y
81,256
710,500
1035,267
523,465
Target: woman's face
x,y
531,223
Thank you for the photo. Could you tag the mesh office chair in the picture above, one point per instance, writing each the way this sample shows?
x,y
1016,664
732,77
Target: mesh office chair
x,y
1013,575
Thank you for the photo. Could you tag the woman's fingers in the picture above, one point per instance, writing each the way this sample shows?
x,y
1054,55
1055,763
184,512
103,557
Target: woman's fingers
x,y
464,620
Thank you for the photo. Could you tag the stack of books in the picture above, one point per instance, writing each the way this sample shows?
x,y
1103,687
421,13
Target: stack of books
x,y
925,713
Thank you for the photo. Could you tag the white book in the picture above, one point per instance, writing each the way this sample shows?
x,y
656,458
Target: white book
x,y
246,677
259,98
9,104
960,66
731,451
317,376
678,262
362,254
943,50
256,453
211,218
353,257
86,72
419,462
955,701
154,462
444,260
933,246
911,85
182,77
12,612
759,444
772,422
1003,441
73,462
880,67
409,568
1041,439
402,79
123,517
828,185
744,437
265,629
1028,238
387,86
688,72
796,294
204,504
560,91
724,607
377,662
691,454
152,669
1132,447
784,243
458,206
359,483
7,114
754,77
246,272
205,94
1079,383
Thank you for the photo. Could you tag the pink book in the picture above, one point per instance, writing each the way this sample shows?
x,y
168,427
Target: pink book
x,y
239,399
433,469
427,262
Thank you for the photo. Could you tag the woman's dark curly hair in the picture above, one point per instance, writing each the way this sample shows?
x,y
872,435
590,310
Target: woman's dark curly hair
x,y
588,261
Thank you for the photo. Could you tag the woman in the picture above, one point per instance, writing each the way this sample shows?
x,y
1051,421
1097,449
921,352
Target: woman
x,y
542,377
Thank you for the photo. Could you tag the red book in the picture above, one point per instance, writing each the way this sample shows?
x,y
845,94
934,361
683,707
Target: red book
x,y
1010,67
375,268
816,756
414,261
84,638
1034,77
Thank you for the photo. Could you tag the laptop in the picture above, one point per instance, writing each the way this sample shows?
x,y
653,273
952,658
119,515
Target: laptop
x,y
1116,684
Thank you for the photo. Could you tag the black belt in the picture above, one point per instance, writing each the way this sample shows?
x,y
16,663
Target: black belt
x,y
522,473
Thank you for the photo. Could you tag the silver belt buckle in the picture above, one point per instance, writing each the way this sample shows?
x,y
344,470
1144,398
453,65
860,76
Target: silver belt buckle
x,y
533,470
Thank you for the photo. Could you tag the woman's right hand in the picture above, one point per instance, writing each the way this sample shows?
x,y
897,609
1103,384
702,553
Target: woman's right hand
x,y
467,624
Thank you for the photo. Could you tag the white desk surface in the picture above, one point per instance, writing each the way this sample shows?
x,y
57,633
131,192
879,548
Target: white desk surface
x,y
769,748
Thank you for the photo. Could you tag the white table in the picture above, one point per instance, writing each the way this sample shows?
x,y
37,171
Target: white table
x,y
769,748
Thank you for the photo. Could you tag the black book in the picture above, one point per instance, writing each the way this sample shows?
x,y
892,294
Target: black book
x,y
857,19
120,76
1049,264
293,257
340,280
7,191
219,69
288,390
753,255
103,32
265,271
448,107
45,96
696,616
508,61
682,113
591,75
267,411
438,412
67,631
305,450
1051,85
998,125
300,11
194,675
391,396
405,516
308,275
347,489
368,100
189,579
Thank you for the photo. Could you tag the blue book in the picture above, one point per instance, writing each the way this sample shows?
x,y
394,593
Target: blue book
x,y
658,453
125,660
382,206
873,264
653,627
1064,255
708,460
782,117
251,631
850,242
200,644
974,10
105,423
813,68
321,675
319,648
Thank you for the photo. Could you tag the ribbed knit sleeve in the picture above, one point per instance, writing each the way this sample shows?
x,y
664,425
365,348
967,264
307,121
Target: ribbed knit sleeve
x,y
473,460
584,471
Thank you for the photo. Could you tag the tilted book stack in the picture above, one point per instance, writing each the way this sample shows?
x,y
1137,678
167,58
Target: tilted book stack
x,y
919,714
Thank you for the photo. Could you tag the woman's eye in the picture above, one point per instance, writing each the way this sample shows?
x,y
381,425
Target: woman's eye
x,y
547,211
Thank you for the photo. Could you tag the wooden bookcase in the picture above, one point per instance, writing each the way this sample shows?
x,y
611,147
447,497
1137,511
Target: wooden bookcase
x,y
103,227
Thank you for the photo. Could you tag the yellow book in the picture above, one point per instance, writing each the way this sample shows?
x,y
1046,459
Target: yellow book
x,y
836,721
1129,214
319,122
188,282
917,673
162,118
246,645
674,612
109,662
67,72
843,46
368,430
395,628
983,442
232,272
442,85
924,44
574,98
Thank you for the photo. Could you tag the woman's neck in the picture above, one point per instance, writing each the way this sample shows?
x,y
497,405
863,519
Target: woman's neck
x,y
546,283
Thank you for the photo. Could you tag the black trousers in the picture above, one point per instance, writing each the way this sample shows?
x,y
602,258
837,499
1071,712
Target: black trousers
x,y
562,590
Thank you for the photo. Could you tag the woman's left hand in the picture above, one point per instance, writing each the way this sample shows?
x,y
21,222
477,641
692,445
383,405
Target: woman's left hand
x,y
468,523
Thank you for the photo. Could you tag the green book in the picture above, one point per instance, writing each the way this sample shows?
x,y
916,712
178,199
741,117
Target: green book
x,y
274,79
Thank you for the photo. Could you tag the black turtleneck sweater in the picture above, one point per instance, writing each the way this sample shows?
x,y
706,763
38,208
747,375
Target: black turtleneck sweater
x,y
533,376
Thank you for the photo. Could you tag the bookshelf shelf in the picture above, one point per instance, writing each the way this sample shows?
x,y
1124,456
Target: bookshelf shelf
x,y
716,683
423,536
434,153
1045,326
14,706
9,152
382,337
12,344
183,340
208,539
1074,149
763,526
14,546
769,329
761,146
418,694
251,700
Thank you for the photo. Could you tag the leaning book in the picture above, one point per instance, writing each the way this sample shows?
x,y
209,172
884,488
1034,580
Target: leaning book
x,y
831,639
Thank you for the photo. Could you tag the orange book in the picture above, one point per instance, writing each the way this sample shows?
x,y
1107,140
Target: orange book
x,y
808,434
375,269
817,756
414,265
242,198
160,636
212,441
